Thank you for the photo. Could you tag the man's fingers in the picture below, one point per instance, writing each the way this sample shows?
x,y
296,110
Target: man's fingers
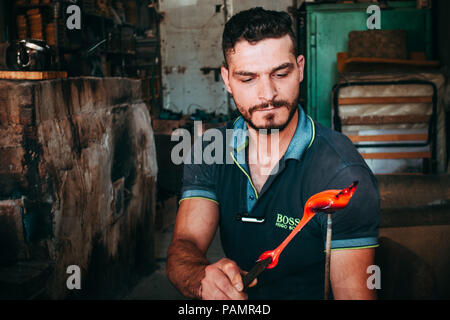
x,y
214,293
228,288
211,284
218,284
253,283
233,272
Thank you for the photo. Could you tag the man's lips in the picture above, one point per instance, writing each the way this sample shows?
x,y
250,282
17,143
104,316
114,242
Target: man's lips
x,y
271,108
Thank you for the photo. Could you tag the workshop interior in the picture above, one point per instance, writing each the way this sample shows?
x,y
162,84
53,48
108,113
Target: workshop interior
x,y
91,92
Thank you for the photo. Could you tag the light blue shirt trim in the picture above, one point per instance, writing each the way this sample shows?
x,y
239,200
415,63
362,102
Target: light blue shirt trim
x,y
302,136
354,243
240,140
199,193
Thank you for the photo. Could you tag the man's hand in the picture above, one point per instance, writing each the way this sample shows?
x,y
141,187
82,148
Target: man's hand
x,y
223,281
187,267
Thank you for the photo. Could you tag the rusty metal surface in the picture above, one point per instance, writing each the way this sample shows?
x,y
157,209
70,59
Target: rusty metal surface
x,y
191,40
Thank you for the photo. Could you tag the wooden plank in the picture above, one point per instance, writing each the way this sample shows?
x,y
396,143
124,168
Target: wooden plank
x,y
396,155
417,63
384,100
418,56
389,137
32,75
417,59
369,120
341,61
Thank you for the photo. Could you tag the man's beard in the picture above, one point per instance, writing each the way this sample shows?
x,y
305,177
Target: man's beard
x,y
292,107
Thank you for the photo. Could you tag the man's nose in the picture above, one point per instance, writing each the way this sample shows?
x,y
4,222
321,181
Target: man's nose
x,y
266,89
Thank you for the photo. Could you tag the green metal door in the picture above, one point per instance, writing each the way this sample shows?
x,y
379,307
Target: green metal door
x,y
327,28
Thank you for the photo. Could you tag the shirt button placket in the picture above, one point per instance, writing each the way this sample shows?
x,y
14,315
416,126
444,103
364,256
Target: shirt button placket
x,y
251,197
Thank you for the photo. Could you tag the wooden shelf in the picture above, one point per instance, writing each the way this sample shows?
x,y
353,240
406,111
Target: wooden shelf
x,y
396,155
389,137
32,6
417,59
376,120
32,75
385,100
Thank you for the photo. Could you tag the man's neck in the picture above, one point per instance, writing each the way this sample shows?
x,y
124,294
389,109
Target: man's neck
x,y
265,150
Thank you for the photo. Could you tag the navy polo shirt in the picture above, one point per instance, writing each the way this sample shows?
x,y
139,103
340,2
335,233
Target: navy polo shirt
x,y
317,159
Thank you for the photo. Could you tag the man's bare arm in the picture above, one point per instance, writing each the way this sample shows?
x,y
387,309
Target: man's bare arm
x,y
195,226
187,267
348,274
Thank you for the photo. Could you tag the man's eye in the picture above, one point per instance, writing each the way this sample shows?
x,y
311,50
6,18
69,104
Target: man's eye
x,y
247,79
281,75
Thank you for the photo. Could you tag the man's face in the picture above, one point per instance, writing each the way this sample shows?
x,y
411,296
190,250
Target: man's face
x,y
264,79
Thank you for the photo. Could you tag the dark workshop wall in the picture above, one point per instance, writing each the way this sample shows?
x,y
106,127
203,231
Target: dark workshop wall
x,y
442,25
442,45
2,21
77,186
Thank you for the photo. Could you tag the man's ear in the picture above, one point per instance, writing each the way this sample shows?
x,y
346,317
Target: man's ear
x,y
301,66
224,73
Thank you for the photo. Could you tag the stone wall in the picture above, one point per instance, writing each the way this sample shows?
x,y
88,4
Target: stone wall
x,y
77,185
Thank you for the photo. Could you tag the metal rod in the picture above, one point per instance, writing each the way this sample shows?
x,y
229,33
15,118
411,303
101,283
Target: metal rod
x,y
327,258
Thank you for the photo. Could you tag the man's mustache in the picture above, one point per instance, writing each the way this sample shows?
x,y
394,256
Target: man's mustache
x,y
273,103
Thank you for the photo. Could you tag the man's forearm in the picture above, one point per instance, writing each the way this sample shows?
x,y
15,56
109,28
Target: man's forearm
x,y
186,267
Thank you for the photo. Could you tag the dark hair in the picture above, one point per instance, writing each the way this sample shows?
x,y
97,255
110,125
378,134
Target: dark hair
x,y
254,25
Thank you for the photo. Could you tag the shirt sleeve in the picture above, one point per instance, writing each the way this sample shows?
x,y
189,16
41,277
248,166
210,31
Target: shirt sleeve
x,y
198,177
356,226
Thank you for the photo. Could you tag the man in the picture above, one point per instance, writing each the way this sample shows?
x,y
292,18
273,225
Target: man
x,y
257,203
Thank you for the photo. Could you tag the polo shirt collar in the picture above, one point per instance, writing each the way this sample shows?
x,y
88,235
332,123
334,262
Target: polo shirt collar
x,y
303,136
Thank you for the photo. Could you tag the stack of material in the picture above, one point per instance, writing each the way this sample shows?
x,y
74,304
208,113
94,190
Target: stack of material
x,y
131,12
22,26
36,26
411,112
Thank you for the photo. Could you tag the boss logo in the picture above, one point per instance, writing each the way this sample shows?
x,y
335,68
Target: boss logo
x,y
286,222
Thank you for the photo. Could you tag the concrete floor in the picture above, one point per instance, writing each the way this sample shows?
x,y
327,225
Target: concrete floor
x,y
156,286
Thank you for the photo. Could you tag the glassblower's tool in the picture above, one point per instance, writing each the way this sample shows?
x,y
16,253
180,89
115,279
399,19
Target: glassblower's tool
x,y
326,201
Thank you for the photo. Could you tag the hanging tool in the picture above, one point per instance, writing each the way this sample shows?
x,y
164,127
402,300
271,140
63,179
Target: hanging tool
x,y
27,55
326,201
